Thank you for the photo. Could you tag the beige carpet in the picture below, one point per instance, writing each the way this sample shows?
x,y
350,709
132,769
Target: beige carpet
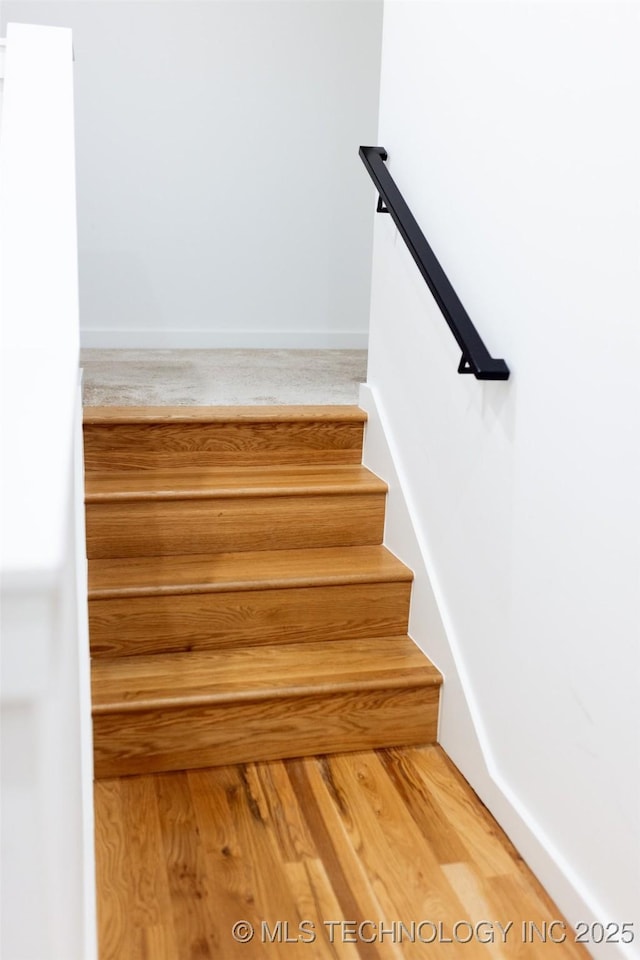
x,y
211,377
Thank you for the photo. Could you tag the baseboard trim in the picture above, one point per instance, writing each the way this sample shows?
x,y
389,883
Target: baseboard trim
x,y
224,339
461,731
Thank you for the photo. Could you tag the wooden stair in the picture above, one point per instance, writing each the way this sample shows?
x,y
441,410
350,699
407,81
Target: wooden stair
x,y
241,604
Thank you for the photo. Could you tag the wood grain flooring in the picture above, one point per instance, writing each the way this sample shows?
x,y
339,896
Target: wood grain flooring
x,y
374,855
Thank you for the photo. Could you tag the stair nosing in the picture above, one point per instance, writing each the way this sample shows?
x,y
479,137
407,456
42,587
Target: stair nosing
x,y
145,496
298,413
242,586
362,481
327,689
396,572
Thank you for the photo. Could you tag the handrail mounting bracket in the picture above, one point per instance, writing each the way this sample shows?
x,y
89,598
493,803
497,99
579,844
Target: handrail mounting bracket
x,y
464,366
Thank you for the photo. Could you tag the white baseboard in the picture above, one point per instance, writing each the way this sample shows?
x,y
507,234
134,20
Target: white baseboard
x,y
223,339
461,732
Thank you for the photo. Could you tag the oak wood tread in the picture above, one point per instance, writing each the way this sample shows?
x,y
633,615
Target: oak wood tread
x,y
169,604
198,483
245,570
111,415
252,674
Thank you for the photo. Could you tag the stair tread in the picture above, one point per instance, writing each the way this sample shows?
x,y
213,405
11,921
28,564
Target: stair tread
x,y
223,414
257,673
248,570
184,483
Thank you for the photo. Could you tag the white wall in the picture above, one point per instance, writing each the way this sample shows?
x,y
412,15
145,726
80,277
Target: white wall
x,y
512,132
220,197
48,885
2,54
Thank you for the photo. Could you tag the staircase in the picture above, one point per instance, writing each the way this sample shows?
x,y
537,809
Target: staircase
x,y
241,604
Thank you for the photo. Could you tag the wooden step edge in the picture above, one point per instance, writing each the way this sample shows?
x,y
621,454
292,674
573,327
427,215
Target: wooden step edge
x,y
239,586
345,488
426,677
112,416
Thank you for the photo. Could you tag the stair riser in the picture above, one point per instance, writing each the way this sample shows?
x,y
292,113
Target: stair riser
x,y
206,621
187,738
164,527
166,445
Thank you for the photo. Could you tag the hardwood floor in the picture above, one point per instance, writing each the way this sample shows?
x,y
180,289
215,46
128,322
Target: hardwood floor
x,y
324,857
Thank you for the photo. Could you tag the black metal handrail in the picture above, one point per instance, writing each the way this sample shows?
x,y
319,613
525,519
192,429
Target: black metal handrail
x,y
476,359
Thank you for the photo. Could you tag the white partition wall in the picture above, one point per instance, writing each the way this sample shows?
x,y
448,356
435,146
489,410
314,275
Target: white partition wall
x,y
512,132
2,54
48,892
220,202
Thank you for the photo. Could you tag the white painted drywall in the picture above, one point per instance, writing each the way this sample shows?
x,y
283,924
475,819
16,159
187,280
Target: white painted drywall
x,y
511,130
47,861
2,54
220,197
